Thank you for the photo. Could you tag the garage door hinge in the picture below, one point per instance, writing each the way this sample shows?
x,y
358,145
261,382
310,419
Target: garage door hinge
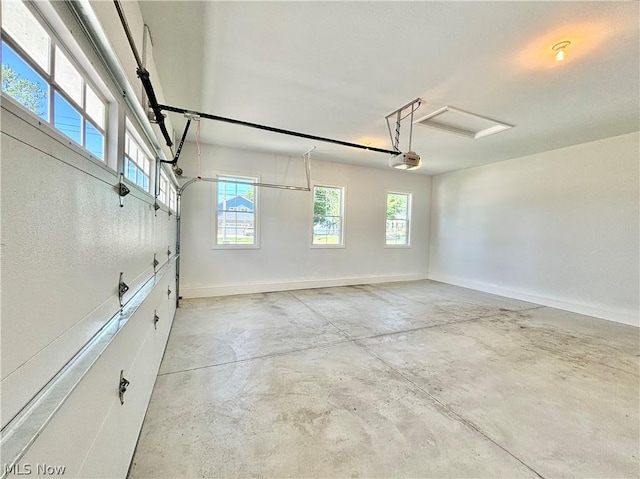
x,y
155,263
122,387
122,189
156,318
122,288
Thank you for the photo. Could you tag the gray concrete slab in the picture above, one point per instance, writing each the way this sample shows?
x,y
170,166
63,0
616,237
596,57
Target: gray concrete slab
x,y
413,379
464,301
558,390
326,412
364,311
219,330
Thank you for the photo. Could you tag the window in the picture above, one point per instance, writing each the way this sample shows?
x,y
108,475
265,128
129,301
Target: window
x,y
328,216
236,222
37,74
164,185
137,164
398,218
173,197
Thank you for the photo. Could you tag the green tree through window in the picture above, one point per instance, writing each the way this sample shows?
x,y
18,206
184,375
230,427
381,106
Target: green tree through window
x,y
396,206
398,212
327,215
26,92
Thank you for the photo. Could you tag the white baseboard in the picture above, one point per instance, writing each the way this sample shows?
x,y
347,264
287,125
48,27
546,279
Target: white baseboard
x,y
226,290
610,315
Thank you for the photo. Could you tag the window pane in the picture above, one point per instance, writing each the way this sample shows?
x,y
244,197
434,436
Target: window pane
x,y
130,170
397,219
127,144
227,228
94,141
173,195
225,236
327,215
133,150
227,190
95,108
236,211
23,84
67,119
138,164
68,77
163,187
23,27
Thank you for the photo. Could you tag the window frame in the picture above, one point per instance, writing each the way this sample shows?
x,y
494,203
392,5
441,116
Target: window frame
x,y
173,197
131,132
343,201
164,190
54,88
409,221
256,211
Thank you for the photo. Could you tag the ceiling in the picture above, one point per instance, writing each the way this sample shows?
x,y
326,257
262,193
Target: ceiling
x,y
336,69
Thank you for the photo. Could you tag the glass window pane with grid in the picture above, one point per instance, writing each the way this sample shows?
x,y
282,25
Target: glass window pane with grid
x,y
136,163
27,32
173,198
236,211
327,215
29,53
95,107
24,84
398,217
68,77
164,185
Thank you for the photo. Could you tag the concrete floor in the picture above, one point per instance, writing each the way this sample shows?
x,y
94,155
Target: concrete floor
x,y
415,379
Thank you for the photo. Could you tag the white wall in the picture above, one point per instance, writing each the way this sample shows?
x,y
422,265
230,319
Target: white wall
x,y
559,228
285,259
65,240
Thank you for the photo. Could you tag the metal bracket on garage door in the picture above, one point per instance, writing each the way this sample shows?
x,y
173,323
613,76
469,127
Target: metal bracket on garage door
x,y
122,288
122,387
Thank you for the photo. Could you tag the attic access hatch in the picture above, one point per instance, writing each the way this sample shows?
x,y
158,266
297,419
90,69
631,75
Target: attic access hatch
x,y
460,122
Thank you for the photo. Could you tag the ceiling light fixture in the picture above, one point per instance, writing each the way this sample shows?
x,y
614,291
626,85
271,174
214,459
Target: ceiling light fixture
x,y
559,49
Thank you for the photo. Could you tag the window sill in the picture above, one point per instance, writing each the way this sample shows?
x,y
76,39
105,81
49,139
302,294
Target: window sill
x,y
327,246
15,108
139,188
228,247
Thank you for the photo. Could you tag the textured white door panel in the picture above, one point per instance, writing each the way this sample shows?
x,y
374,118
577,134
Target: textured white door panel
x,y
119,434
93,435
65,241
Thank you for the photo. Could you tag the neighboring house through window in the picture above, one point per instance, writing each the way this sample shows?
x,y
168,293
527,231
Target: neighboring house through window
x,y
236,222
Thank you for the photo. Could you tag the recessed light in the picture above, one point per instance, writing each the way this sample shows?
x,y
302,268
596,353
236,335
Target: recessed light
x,y
559,48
